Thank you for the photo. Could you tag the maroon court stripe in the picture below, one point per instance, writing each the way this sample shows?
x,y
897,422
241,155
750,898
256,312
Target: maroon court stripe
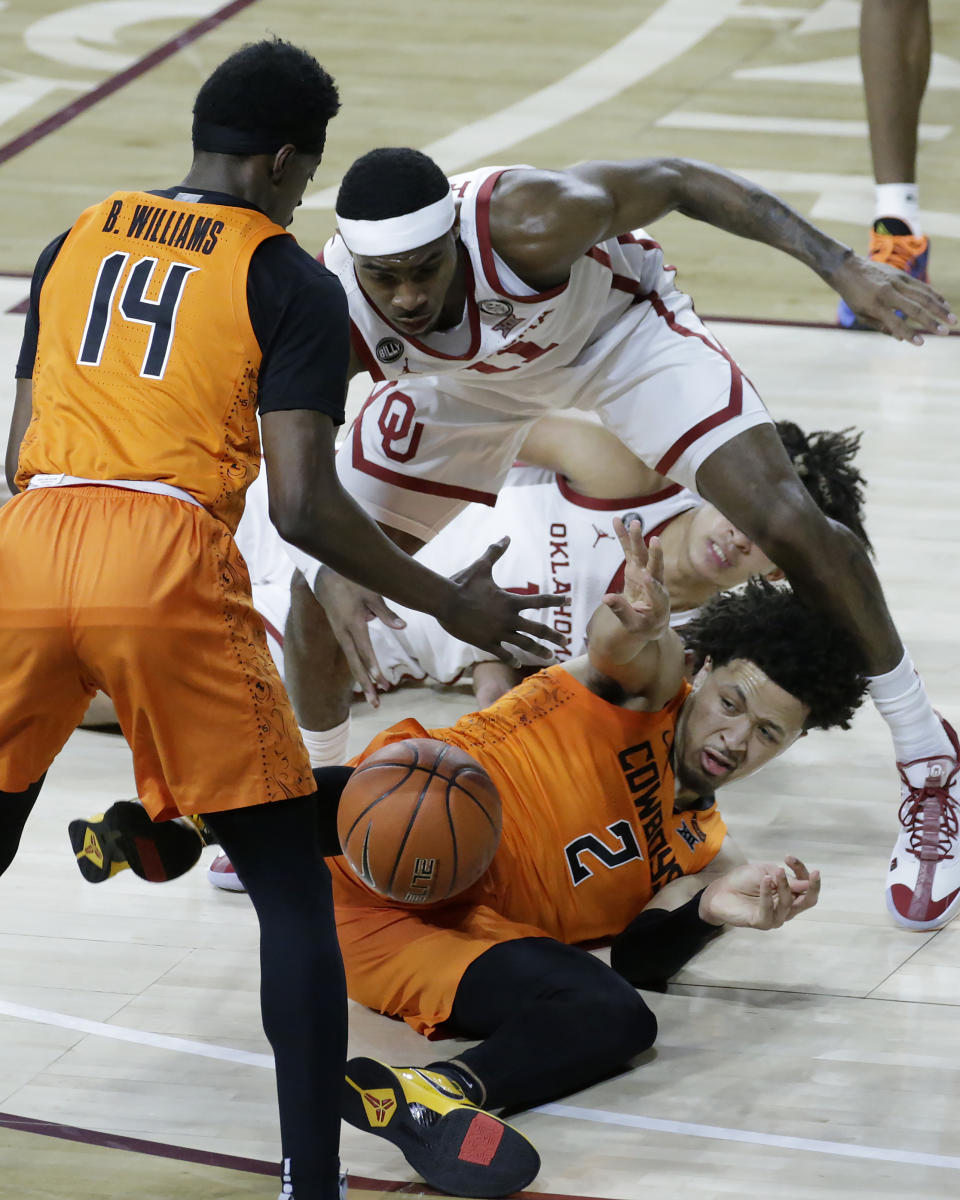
x,y
254,1166
115,82
786,323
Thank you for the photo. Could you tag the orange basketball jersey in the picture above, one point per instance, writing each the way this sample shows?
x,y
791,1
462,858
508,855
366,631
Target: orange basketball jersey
x,y
589,829
147,363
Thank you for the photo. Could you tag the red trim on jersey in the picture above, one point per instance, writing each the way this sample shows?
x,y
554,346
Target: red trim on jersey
x,y
568,493
473,316
362,351
616,583
733,407
272,630
622,283
485,244
408,483
628,239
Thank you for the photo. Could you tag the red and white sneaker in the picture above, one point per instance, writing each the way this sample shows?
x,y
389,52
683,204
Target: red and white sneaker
x,y
222,875
923,883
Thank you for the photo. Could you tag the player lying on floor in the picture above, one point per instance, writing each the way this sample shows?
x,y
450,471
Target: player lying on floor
x,y
606,768
578,475
557,509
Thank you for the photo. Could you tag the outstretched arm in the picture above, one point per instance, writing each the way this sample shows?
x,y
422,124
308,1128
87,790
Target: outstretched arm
x,y
543,221
311,510
629,639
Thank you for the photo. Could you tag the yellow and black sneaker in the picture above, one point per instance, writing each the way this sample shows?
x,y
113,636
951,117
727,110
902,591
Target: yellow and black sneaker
x,y
124,836
453,1144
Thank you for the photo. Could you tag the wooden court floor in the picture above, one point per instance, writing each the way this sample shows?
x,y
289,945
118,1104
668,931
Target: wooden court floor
x,y
818,1061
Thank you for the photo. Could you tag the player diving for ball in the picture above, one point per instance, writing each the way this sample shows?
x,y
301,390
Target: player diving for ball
x,y
606,768
556,507
479,301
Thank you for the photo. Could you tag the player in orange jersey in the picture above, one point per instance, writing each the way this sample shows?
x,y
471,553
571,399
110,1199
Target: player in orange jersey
x,y
160,324
606,768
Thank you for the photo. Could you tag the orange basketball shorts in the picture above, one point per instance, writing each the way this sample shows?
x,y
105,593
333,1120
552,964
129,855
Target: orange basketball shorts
x,y
146,597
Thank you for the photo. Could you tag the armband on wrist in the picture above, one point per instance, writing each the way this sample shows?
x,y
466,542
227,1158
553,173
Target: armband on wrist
x,y
658,942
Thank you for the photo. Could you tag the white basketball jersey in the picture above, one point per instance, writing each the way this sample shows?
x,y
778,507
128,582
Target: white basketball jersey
x,y
560,542
508,331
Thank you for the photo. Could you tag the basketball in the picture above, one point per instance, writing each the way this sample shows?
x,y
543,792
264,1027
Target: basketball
x,y
419,821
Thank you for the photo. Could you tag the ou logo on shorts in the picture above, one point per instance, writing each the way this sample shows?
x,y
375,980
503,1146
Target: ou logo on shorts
x,y
397,424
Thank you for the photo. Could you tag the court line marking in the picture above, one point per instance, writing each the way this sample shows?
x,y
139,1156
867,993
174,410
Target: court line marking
x,y
564,1111
781,1141
153,58
670,31
160,1041
230,1162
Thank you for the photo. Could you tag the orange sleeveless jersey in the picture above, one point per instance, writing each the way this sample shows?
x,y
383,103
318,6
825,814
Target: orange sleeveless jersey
x,y
589,830
147,362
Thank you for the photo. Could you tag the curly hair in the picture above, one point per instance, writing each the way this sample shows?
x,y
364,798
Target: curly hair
x,y
796,646
390,182
271,88
824,461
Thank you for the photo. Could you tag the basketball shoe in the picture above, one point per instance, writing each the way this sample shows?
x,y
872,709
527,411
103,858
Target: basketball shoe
x,y
453,1144
221,874
124,837
923,883
891,241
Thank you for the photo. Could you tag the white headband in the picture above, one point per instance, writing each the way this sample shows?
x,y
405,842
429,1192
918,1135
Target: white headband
x,y
394,235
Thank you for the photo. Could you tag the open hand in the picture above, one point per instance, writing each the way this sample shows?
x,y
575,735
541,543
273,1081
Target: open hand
x,y
760,895
643,607
888,299
350,608
487,616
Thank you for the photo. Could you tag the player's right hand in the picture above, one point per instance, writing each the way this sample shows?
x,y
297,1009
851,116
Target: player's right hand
x,y
350,608
643,607
487,616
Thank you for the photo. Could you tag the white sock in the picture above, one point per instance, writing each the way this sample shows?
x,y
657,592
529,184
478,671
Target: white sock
x,y
902,701
327,747
899,200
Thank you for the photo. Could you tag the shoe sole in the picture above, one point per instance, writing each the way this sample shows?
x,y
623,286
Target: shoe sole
x,y
124,836
224,881
467,1152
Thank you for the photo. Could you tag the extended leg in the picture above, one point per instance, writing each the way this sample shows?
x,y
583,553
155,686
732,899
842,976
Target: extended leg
x,y
554,1019
15,808
275,849
895,58
752,482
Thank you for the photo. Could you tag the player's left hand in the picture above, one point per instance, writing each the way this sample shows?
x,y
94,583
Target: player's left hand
x,y
643,607
760,895
888,299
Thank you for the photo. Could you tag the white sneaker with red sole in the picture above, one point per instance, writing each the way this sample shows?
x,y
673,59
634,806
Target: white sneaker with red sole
x,y
923,883
222,875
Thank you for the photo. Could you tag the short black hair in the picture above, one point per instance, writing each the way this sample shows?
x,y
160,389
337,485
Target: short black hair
x,y
272,89
824,461
390,182
796,646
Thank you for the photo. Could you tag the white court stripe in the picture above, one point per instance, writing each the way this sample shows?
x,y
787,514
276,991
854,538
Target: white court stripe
x,y
816,127
566,1111
721,1134
159,1041
670,31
